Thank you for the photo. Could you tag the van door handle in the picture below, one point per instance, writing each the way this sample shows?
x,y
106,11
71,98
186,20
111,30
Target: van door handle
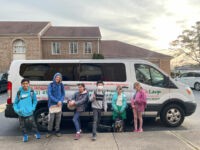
x,y
125,87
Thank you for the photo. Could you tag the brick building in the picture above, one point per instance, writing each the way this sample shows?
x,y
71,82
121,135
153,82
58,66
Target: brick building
x,y
41,40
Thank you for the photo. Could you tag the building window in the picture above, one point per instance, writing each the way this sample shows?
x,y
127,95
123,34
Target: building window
x,y
55,48
19,47
73,47
88,47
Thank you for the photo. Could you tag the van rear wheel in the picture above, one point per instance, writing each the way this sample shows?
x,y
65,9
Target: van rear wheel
x,y
41,118
172,115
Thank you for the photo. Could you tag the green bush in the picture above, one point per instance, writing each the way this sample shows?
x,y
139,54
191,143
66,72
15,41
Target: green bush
x,y
97,56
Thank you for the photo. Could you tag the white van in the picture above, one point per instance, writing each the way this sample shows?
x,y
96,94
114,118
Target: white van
x,y
191,78
168,99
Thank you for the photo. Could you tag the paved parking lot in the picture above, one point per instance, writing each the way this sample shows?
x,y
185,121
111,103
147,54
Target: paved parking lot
x,y
155,137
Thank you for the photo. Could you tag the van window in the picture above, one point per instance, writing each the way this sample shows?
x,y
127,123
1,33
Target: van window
x,y
1,76
197,74
149,75
45,72
190,74
184,75
115,72
4,76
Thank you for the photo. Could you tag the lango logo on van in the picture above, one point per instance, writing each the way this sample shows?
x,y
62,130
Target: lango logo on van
x,y
154,92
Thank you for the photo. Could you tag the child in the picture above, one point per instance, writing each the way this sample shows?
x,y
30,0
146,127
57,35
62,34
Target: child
x,y
56,95
138,104
119,105
79,100
24,105
98,103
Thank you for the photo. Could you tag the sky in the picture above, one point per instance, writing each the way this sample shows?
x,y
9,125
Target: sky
x,y
151,24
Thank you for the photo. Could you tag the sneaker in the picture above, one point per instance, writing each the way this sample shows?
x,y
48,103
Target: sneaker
x,y
37,136
94,138
25,138
58,134
48,135
135,130
140,130
77,136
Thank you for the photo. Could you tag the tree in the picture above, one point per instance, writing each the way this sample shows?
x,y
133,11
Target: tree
x,y
97,56
189,42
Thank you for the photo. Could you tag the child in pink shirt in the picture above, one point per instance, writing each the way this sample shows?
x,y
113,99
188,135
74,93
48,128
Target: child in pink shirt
x,y
138,103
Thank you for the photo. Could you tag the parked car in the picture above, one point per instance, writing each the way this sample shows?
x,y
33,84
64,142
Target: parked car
x,y
166,98
190,78
3,82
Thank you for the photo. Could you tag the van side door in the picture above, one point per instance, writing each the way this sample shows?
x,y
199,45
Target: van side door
x,y
112,74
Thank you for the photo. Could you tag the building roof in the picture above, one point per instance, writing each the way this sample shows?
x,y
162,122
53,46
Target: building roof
x,y
21,27
72,32
117,49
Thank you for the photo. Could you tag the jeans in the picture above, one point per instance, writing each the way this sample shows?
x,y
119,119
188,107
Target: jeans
x,y
57,118
96,120
25,121
76,121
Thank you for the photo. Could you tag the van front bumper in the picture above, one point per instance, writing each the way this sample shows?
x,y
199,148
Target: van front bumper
x,y
9,111
190,108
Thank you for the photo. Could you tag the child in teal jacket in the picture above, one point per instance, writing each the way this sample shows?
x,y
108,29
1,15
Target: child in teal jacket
x,y
119,103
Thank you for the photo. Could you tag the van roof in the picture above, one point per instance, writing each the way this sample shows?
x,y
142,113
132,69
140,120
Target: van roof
x,y
78,60
19,62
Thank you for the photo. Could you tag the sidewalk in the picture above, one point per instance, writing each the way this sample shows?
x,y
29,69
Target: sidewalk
x,y
157,140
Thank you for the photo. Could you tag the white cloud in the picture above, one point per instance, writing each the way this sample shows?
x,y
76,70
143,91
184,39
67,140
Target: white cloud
x,y
146,23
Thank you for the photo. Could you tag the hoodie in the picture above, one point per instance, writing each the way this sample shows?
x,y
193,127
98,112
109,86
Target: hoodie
x,y
26,104
56,91
140,100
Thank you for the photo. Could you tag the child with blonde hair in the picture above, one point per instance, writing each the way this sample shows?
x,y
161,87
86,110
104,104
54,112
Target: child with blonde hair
x,y
138,103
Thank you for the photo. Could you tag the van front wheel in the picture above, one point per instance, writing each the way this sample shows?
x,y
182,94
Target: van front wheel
x,y
172,115
41,119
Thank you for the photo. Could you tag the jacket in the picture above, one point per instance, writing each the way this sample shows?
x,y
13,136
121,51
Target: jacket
x,y
25,103
139,100
81,100
114,101
56,92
